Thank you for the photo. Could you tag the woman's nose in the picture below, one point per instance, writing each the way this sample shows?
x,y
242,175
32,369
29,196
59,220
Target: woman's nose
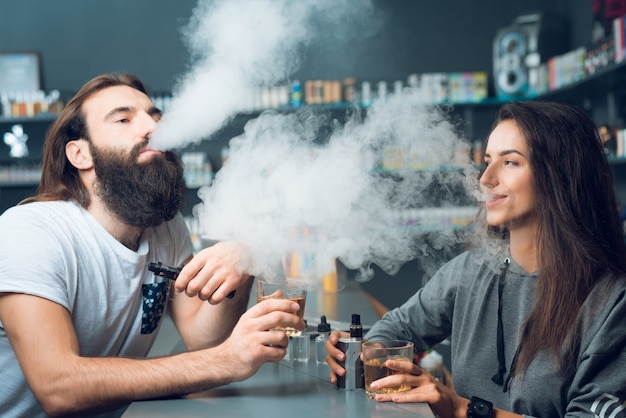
x,y
488,177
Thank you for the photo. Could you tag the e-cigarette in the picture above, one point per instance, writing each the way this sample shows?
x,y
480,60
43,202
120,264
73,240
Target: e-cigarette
x,y
171,272
351,347
163,270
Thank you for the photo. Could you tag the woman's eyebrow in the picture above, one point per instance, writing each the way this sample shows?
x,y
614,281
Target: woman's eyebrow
x,y
506,152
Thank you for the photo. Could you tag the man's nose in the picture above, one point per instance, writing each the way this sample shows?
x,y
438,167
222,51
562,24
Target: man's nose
x,y
148,124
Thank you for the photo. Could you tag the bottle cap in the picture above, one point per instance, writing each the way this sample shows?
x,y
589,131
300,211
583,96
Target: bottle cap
x,y
323,326
356,329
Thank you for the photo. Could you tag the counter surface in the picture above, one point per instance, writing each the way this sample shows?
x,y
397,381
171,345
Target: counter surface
x,y
285,389
290,388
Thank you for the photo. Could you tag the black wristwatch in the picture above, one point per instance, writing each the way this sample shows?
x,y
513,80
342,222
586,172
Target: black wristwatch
x,y
479,408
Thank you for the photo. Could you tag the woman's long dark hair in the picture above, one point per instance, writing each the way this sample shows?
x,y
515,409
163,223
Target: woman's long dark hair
x,y
59,178
580,237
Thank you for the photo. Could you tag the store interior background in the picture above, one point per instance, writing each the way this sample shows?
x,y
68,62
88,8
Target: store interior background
x,y
79,39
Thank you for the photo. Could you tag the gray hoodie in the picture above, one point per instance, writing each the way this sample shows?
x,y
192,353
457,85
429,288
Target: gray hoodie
x,y
460,302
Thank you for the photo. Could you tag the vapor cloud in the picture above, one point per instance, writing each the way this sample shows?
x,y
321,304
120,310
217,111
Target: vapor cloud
x,y
239,45
279,178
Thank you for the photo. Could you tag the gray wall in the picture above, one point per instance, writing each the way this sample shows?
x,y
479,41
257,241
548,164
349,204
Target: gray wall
x,y
79,39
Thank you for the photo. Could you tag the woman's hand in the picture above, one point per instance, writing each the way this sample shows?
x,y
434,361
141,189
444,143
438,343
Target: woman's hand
x,y
335,355
443,401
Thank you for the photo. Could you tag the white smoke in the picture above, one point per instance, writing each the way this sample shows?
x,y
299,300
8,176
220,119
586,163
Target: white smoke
x,y
282,188
239,45
278,179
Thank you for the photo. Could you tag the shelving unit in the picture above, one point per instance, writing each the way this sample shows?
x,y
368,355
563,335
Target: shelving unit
x,y
22,179
42,117
17,184
602,95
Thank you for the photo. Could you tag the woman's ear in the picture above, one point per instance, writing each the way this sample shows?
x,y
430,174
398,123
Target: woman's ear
x,y
79,154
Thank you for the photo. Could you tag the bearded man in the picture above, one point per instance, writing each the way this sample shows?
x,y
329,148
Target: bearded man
x,y
79,309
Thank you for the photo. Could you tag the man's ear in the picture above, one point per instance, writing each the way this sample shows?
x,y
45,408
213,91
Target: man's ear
x,y
79,154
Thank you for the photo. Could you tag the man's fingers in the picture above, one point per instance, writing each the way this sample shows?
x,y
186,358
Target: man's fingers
x,y
274,353
270,305
272,313
186,281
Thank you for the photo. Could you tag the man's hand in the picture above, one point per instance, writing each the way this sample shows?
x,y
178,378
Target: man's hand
x,y
253,341
215,272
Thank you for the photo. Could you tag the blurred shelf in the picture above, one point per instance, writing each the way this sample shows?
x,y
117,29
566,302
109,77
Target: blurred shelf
x,y
424,169
43,117
610,79
617,160
489,101
25,183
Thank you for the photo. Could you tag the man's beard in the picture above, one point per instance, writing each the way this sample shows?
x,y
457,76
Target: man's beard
x,y
140,194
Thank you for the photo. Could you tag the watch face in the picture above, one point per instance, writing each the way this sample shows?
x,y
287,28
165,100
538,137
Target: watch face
x,y
480,409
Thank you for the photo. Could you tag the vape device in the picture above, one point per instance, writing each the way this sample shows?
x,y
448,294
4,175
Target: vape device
x,y
163,270
351,347
171,272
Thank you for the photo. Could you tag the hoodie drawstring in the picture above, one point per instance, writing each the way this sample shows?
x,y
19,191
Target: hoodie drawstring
x,y
498,378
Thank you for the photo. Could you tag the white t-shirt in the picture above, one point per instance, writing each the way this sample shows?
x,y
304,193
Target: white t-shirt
x,y
58,251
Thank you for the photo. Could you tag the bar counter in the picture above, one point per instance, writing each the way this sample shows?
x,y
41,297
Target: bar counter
x,y
285,389
290,388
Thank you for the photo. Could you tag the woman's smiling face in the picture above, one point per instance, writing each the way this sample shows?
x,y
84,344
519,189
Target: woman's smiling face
x,y
507,182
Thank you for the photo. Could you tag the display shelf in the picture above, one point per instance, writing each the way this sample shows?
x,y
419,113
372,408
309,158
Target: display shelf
x,y
607,80
345,106
12,184
43,117
602,94
19,176
429,219
426,169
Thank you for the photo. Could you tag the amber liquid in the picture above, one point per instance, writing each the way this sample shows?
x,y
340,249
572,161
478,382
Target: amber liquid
x,y
375,369
301,301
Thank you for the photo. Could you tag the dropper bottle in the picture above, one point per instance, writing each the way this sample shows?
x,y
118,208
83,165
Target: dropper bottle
x,y
323,331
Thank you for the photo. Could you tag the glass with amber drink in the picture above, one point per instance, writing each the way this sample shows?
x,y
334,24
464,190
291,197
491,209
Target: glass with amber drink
x,y
286,288
375,356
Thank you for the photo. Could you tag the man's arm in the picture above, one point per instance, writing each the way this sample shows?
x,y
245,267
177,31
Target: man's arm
x,y
44,340
200,309
203,325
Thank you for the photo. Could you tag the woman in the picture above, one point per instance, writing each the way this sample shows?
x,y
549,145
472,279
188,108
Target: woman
x,y
535,311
